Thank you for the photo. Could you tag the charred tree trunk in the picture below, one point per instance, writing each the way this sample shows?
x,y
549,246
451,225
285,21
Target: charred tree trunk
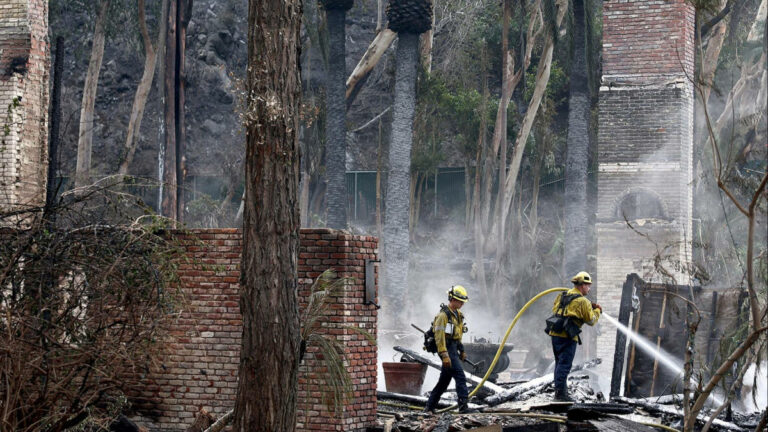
x,y
336,118
85,134
170,203
174,170
269,357
397,205
577,155
53,140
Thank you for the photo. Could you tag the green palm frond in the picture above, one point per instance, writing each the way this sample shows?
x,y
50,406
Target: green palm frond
x,y
331,352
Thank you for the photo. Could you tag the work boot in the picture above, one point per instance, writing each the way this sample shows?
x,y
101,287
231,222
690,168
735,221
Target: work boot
x,y
465,409
429,410
561,395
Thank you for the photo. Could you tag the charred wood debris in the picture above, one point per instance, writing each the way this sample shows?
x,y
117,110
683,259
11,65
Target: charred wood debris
x,y
528,406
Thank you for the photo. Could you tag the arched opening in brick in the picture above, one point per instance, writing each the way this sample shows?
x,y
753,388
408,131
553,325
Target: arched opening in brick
x,y
640,203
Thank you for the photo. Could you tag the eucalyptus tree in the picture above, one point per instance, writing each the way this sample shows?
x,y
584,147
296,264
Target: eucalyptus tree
x,y
553,14
142,91
409,18
577,154
269,357
336,113
85,133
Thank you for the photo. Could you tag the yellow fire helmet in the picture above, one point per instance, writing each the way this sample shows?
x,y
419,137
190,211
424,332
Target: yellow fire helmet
x,y
459,293
581,278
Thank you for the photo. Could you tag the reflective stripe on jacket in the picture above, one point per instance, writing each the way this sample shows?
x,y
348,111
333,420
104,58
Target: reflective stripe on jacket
x,y
441,322
580,308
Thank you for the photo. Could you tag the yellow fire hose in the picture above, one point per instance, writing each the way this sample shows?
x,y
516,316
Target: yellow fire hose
x,y
504,341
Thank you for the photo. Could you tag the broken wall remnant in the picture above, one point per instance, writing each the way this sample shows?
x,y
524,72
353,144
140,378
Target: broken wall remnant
x,y
644,150
200,364
24,96
658,314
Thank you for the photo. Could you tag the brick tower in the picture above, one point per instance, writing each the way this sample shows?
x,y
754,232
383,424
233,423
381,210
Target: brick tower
x,y
645,145
24,66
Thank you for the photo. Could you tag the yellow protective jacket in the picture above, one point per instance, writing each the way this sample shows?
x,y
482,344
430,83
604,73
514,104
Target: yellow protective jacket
x,y
446,319
580,308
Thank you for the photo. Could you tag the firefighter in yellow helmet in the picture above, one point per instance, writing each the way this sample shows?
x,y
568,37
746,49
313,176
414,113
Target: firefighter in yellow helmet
x,y
571,310
449,327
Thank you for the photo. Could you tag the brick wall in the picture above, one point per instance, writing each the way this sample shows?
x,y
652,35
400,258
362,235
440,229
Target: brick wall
x,y
24,66
320,250
200,367
645,143
647,37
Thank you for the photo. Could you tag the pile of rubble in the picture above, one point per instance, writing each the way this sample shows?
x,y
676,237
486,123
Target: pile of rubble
x,y
529,406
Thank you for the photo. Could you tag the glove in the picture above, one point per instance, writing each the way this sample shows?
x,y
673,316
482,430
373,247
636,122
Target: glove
x,y
463,356
446,359
597,306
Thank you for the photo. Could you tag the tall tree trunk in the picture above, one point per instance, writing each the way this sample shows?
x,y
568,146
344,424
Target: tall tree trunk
x,y
85,134
427,40
336,121
396,244
160,89
169,206
183,14
468,187
379,169
500,135
379,14
535,189
54,141
142,92
577,154
477,197
269,357
413,199
304,181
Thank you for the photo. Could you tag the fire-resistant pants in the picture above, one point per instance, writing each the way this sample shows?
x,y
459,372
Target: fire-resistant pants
x,y
564,350
456,372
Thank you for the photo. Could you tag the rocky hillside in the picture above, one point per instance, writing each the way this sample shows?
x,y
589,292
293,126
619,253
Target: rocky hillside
x,y
215,67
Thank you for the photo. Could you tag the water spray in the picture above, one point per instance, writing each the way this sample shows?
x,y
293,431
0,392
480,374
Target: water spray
x,y
664,357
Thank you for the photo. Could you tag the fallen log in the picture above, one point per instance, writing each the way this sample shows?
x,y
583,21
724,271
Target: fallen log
x,y
588,411
664,399
675,412
512,393
421,400
608,424
222,422
488,385
535,391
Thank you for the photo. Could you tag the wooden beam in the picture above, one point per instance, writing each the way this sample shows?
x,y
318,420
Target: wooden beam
x,y
437,365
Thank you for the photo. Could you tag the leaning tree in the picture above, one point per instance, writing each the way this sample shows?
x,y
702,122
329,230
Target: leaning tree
x,y
409,18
